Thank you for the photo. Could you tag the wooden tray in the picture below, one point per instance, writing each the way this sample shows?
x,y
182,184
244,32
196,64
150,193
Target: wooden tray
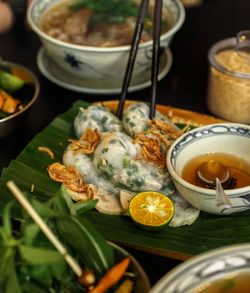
x,y
177,115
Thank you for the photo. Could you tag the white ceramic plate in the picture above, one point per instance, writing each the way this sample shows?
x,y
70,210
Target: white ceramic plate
x,y
55,74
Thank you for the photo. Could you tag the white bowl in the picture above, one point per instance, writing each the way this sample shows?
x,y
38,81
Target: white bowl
x,y
96,62
198,272
230,138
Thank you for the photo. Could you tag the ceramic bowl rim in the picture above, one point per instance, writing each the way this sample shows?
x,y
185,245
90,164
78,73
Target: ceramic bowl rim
x,y
198,259
201,190
169,33
135,263
35,94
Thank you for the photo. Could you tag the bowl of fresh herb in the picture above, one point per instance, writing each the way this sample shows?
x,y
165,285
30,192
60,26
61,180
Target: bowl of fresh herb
x,y
91,39
19,89
57,249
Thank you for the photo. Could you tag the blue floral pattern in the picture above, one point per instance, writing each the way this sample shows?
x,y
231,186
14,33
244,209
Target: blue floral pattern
x,y
212,130
204,268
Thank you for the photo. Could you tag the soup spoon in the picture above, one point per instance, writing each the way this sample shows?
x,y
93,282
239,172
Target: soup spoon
x,y
213,172
210,170
221,197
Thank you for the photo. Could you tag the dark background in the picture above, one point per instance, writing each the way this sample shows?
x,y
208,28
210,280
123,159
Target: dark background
x,y
183,87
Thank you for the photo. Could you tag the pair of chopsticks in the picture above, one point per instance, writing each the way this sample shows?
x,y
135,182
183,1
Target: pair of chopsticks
x,y
133,51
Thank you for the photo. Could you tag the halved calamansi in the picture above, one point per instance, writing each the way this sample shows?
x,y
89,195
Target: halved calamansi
x,y
151,210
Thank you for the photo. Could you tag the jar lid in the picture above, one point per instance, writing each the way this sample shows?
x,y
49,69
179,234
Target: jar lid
x,y
232,56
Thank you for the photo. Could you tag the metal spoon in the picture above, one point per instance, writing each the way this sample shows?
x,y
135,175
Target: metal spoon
x,y
213,172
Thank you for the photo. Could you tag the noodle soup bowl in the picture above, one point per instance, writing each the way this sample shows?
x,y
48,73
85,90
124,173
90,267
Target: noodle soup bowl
x,y
225,138
100,63
225,269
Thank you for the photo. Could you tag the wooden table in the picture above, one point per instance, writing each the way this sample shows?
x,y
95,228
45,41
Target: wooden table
x,y
183,87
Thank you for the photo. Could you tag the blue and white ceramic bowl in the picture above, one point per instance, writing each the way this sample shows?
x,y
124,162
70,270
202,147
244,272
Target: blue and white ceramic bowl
x,y
196,274
230,138
95,62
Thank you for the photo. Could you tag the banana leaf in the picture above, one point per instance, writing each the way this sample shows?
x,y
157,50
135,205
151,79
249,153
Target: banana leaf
x,y
29,171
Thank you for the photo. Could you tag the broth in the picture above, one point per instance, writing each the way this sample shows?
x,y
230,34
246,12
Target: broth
x,y
239,170
82,25
237,284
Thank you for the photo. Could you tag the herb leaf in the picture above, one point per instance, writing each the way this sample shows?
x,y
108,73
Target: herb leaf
x,y
39,256
80,208
113,11
95,253
12,283
7,227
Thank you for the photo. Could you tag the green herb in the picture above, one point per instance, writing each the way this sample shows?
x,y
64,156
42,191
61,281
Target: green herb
x,y
29,262
3,115
105,150
126,163
183,125
104,119
113,11
132,124
134,168
82,237
24,265
139,182
10,82
110,171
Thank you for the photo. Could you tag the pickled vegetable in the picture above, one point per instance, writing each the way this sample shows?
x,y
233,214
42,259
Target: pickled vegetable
x,y
10,82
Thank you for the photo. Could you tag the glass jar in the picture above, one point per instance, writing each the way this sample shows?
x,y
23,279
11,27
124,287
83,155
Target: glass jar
x,y
229,79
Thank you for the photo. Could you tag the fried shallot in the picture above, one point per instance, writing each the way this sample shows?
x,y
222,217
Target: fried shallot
x,y
165,132
150,149
67,175
87,142
47,150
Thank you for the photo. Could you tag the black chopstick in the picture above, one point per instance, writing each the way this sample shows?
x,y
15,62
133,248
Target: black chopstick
x,y
132,55
155,57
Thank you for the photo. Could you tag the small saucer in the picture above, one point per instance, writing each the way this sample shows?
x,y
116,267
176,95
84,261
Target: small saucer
x,y
55,74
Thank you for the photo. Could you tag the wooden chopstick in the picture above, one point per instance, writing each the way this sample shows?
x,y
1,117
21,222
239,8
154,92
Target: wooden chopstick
x,y
132,55
155,57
